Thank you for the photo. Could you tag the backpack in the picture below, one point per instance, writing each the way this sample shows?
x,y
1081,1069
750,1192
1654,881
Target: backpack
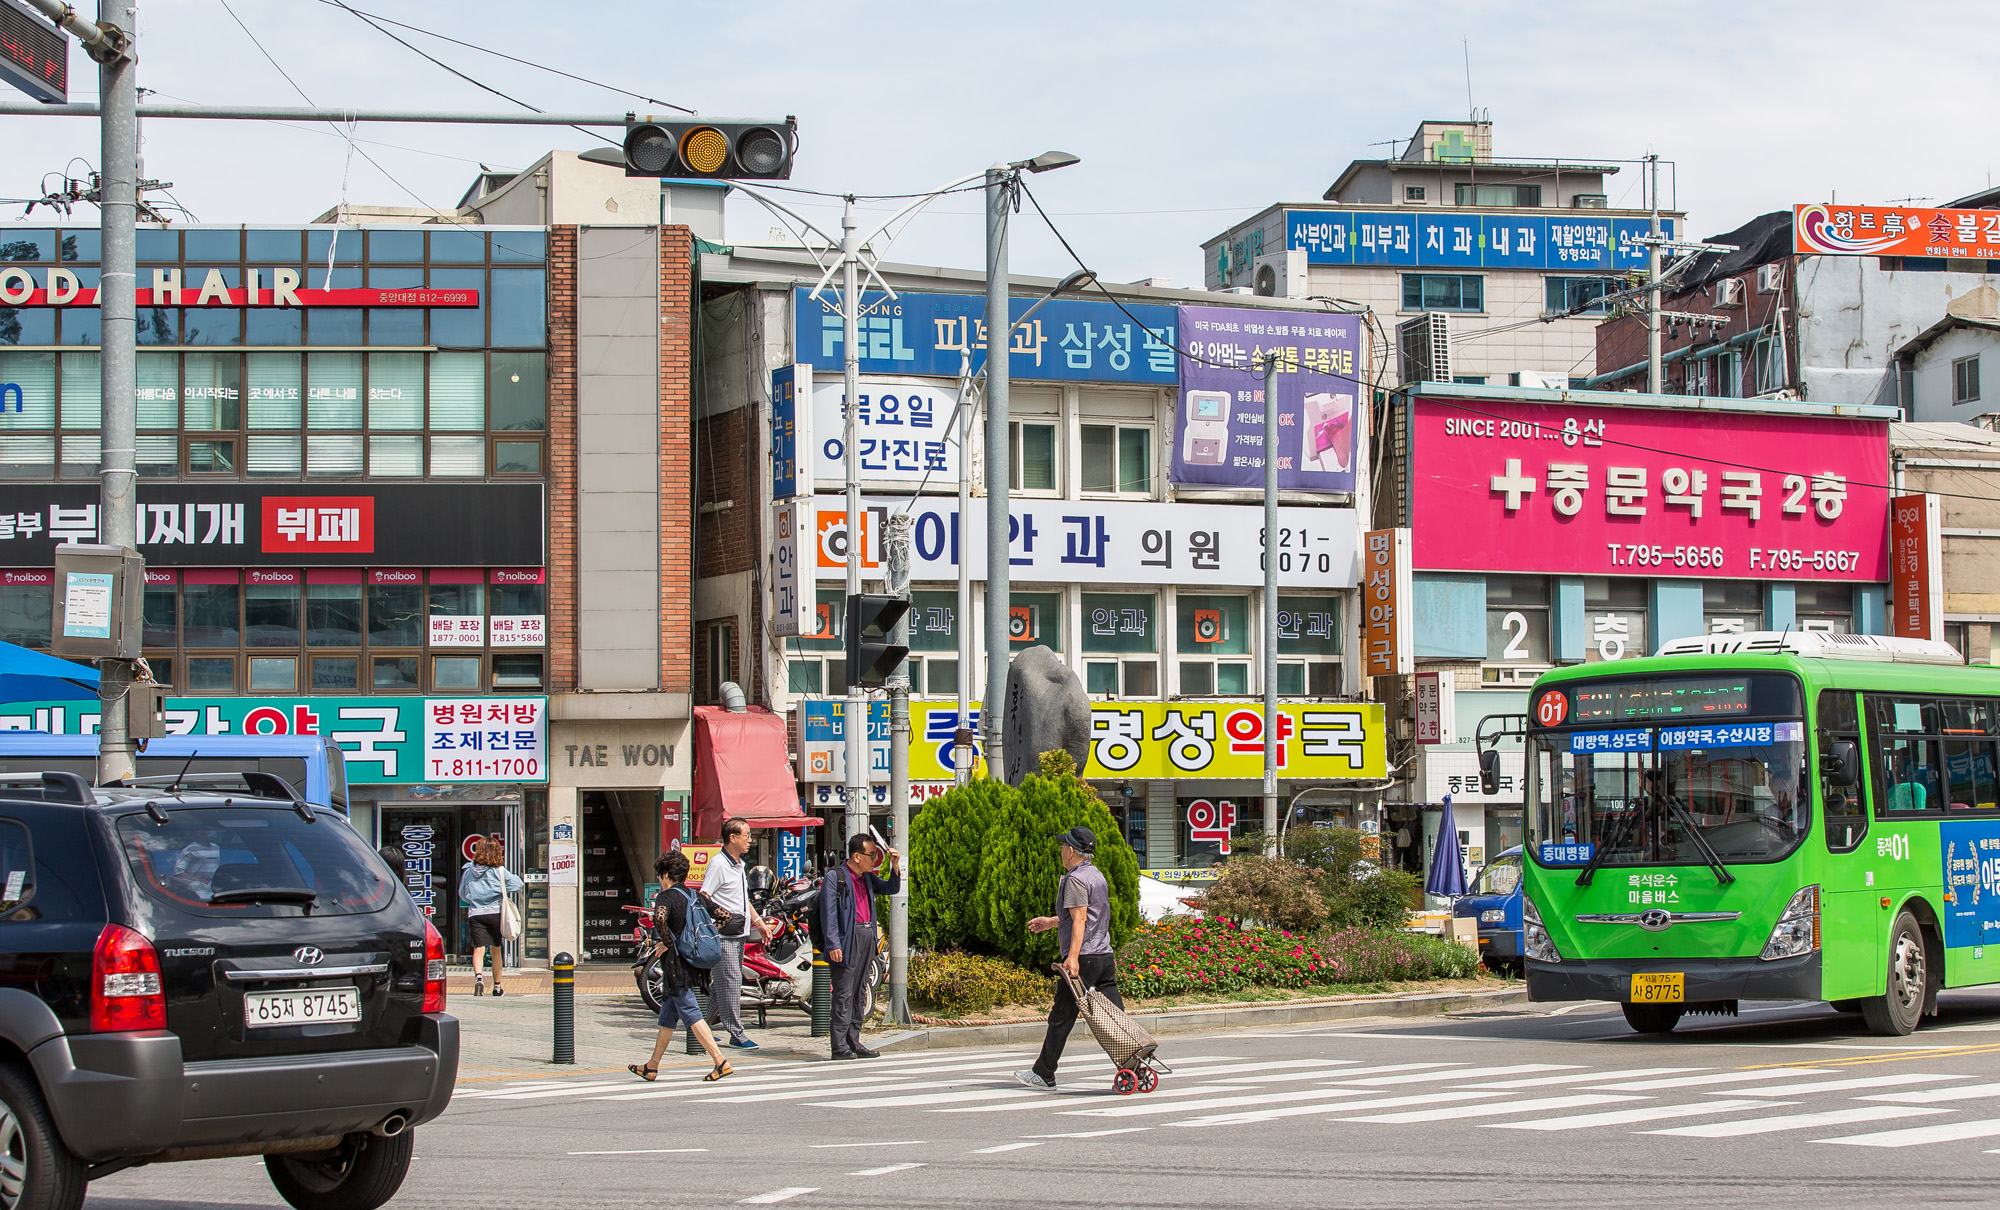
x,y
816,927
699,945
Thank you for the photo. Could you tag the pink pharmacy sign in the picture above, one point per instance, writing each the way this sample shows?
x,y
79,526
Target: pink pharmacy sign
x,y
1638,491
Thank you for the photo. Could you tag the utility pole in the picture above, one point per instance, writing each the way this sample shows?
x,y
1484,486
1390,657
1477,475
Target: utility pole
x,y
854,716
1653,282
1270,643
117,501
999,475
896,560
961,748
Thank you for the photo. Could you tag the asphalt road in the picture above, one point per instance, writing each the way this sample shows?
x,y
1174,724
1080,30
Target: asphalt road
x,y
1546,1106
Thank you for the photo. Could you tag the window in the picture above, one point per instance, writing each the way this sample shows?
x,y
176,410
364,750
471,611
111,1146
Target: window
x,y
1614,618
17,864
26,613
1413,193
1828,608
934,628
1206,627
1517,622
1309,646
1732,606
1770,366
1578,295
1032,459
1497,195
1846,818
1443,292
811,666
1121,624
720,652
1908,766
1965,380
1117,458
1035,619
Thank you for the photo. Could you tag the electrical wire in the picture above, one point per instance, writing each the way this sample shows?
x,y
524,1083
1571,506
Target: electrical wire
x,y
486,50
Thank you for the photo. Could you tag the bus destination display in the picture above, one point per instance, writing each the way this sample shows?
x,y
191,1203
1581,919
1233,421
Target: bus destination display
x,y
1680,698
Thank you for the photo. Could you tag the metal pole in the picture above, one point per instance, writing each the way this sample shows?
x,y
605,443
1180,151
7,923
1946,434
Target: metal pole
x,y
999,197
1270,643
896,552
116,500
564,988
961,751
1653,282
854,716
301,113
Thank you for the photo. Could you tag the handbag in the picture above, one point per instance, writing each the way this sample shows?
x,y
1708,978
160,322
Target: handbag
x,y
510,916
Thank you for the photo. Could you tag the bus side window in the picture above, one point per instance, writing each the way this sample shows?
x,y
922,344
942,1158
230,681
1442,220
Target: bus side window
x,y
1909,764
1846,817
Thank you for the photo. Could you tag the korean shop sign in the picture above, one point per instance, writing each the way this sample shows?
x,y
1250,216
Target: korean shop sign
x,y
1105,542
1068,340
1219,420
1386,604
822,752
1168,740
244,525
1644,491
1829,230
25,286
1469,241
899,427
1916,583
387,739
791,432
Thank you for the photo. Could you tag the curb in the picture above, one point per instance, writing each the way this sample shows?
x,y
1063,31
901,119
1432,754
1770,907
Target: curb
x,y
1231,1016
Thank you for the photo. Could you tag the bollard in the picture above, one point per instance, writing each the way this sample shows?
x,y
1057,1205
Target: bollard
x,y
822,995
565,1001
701,1002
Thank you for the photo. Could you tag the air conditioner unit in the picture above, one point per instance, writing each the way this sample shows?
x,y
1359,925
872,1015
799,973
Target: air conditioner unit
x,y
1770,278
1590,201
1728,292
1280,275
1423,348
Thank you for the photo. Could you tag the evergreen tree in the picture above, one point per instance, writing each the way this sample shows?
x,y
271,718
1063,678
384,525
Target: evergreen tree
x,y
1021,866
946,839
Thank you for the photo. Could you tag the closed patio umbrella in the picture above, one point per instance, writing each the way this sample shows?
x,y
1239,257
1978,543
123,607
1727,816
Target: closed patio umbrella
x,y
1447,873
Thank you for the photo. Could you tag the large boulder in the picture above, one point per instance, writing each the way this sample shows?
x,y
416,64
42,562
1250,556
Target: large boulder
x,y
1046,711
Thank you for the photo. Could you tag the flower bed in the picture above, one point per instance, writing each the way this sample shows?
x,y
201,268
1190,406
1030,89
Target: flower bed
x,y
1178,956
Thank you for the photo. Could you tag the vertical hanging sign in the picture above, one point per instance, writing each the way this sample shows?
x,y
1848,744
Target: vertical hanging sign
x,y
791,432
1385,601
1916,588
791,581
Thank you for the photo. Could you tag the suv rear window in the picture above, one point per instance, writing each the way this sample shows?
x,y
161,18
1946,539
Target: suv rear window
x,y
245,861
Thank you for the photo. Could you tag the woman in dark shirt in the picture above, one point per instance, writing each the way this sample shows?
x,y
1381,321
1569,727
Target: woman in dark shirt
x,y
677,1004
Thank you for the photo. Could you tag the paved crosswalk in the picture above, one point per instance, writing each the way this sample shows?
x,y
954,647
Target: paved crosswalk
x,y
1221,1087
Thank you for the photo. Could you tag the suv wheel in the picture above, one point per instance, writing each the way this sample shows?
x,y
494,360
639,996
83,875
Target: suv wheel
x,y
36,1171
360,1174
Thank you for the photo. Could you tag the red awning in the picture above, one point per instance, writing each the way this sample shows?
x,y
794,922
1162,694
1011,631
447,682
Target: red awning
x,y
743,767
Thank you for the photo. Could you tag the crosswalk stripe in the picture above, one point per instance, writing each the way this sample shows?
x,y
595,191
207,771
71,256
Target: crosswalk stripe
x,y
803,1094
823,1079
1151,1106
1453,1112
779,1195
1726,1077
1786,1090
1582,1076
1915,1135
886,1169
1795,1121
1628,1117
1466,1073
930,1098
1289,1111
1005,1147
1929,1096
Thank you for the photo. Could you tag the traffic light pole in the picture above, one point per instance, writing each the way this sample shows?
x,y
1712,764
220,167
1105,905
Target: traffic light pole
x,y
999,476
854,718
896,562
1270,643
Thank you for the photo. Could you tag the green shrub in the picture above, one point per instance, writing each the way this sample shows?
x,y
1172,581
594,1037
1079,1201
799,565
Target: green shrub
x,y
1357,893
1178,956
955,984
946,839
1267,891
1380,900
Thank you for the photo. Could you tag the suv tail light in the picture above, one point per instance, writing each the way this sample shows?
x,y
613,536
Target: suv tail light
x,y
125,990
433,969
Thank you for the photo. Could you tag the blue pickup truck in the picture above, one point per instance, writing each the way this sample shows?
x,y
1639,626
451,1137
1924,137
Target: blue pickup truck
x,y
1495,902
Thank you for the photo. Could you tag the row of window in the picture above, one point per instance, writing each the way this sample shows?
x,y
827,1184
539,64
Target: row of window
x,y
277,245
1112,458
401,415
1466,292
1927,756
1121,637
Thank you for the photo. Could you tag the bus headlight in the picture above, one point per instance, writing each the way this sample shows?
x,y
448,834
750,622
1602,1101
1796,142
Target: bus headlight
x,y
1535,938
1797,931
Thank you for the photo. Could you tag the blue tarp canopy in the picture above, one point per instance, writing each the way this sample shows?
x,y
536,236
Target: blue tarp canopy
x,y
30,676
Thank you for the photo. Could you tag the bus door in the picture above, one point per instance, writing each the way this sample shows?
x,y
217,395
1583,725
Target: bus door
x,y
1850,912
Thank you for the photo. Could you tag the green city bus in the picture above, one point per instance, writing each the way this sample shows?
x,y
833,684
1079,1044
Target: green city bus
x,y
1795,816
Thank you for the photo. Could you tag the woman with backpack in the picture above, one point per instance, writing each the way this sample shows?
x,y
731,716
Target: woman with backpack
x,y
672,908
483,887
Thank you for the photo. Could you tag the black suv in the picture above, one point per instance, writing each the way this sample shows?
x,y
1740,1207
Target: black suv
x,y
194,971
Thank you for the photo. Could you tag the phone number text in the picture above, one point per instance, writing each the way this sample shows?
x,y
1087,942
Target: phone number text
x,y
1759,558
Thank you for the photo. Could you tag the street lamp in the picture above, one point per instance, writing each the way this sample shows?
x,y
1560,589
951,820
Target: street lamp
x,y
1001,181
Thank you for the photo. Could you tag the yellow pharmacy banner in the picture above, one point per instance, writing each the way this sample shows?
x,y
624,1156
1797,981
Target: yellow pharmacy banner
x,y
1167,740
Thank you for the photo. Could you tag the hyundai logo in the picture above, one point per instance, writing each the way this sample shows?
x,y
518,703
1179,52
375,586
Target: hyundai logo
x,y
1655,920
311,955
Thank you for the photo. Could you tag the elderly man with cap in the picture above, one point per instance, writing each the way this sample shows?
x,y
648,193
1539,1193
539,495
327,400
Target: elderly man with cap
x,y
1083,940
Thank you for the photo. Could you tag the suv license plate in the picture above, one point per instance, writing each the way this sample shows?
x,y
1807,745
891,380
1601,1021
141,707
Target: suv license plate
x,y
1665,987
261,1010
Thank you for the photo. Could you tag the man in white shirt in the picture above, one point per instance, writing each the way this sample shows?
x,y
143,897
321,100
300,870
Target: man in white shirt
x,y
726,885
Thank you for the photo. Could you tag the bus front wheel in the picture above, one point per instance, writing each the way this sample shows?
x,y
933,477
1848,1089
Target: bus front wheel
x,y
1897,1011
1653,1018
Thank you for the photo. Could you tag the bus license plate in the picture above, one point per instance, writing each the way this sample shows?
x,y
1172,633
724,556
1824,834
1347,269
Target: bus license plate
x,y
1663,987
261,1010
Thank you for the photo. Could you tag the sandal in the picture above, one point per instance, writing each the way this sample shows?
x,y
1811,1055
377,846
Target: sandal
x,y
648,1073
721,1069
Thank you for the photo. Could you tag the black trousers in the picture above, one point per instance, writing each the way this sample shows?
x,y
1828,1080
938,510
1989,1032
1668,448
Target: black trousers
x,y
1097,972
850,989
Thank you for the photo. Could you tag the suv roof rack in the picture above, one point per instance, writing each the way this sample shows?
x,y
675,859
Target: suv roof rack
x,y
1819,644
257,783
54,785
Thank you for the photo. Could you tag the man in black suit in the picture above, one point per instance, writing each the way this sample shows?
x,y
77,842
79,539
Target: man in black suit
x,y
847,922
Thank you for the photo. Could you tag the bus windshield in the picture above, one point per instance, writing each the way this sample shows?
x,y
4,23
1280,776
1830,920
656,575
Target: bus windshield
x,y
1652,782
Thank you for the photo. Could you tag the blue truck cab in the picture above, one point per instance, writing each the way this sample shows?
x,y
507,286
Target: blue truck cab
x,y
1495,902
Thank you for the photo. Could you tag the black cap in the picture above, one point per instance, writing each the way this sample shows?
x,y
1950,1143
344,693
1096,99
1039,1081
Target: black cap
x,y
1080,838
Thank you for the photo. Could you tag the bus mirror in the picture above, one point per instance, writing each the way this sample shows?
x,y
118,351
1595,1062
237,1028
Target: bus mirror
x,y
1842,764
1489,772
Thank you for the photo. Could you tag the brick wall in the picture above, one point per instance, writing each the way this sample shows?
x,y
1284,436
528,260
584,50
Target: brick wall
x,y
727,535
562,459
676,459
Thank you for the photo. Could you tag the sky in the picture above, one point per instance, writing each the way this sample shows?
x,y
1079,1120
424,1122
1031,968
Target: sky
x,y
1188,117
